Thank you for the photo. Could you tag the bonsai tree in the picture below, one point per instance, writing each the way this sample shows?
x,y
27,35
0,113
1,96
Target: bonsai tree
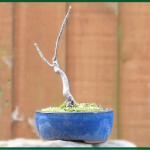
x,y
66,92
70,104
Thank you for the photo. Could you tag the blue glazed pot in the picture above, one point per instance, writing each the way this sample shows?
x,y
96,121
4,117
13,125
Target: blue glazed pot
x,y
90,127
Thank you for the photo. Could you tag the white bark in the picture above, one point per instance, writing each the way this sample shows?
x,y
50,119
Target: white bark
x,y
66,92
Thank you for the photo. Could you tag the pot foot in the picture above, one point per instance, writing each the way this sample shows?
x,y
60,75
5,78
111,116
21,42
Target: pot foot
x,y
92,142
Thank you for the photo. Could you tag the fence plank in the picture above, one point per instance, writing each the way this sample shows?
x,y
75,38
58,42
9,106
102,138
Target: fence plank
x,y
91,54
36,85
134,106
6,23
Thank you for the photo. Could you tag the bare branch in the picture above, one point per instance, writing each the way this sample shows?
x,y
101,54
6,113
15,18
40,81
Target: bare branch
x,y
66,92
61,31
42,55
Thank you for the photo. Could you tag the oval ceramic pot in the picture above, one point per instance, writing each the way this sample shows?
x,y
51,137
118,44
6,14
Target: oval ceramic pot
x,y
90,127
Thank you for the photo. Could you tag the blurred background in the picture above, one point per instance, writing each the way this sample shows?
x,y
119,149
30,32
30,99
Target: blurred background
x,y
104,50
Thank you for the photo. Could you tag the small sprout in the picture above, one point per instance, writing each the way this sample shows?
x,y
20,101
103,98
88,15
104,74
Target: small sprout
x,y
63,105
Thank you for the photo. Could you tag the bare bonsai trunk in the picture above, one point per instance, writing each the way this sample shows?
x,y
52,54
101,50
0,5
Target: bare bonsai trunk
x,y
69,98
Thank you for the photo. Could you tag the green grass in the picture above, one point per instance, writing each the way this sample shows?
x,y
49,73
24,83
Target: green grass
x,y
75,108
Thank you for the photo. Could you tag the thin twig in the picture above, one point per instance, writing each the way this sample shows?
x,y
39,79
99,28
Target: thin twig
x,y
42,55
61,31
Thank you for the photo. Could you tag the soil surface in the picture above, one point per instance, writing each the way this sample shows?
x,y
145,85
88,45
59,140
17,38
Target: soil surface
x,y
76,107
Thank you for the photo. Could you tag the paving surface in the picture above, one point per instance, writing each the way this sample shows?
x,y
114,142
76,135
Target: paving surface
x,y
20,142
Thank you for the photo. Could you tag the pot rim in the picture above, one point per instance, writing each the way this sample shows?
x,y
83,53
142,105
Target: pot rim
x,y
73,112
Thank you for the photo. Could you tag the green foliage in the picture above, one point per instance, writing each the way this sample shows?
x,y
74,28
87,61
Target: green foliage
x,y
75,108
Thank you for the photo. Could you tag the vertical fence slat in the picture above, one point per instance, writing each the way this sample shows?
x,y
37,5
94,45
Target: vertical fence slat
x,y
134,106
91,54
36,85
6,26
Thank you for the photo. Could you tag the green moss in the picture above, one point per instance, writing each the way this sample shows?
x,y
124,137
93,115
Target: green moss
x,y
53,109
76,107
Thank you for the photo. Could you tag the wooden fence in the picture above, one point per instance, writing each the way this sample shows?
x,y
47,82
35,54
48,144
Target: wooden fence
x,y
104,50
